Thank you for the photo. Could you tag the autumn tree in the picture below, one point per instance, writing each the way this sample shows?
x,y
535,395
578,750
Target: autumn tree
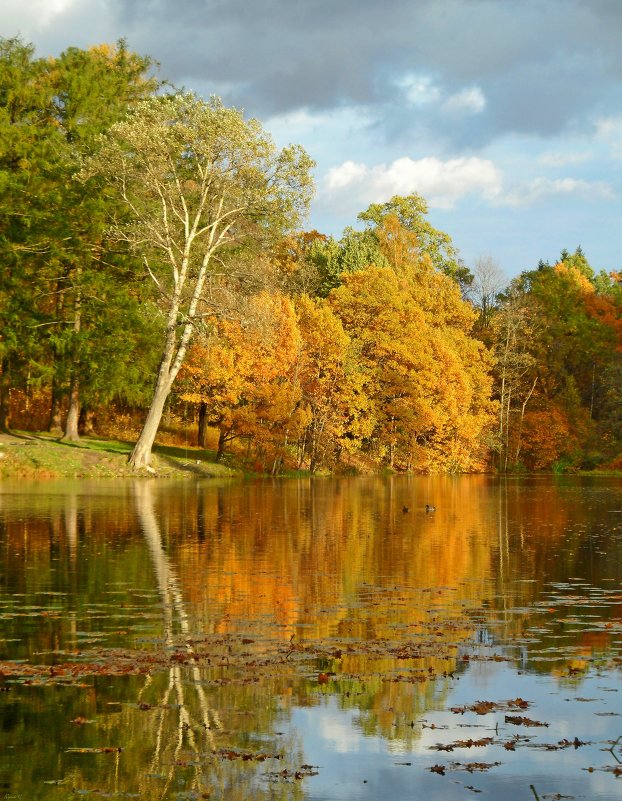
x,y
410,214
512,329
197,180
332,384
559,334
427,379
246,373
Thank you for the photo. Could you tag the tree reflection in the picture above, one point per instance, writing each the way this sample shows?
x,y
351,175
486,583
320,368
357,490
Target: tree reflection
x,y
247,601
184,700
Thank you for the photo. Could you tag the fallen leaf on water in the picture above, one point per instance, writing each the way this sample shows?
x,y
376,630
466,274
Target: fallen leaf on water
x,y
302,773
484,707
479,707
473,743
474,766
521,721
520,703
462,744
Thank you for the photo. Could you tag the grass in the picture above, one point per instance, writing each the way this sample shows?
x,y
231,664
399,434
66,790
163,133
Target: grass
x,y
27,455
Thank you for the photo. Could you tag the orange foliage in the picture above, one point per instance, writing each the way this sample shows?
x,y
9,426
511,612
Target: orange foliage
x,y
246,372
547,436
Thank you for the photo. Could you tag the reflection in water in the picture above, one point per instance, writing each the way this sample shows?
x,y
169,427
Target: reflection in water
x,y
201,621
174,610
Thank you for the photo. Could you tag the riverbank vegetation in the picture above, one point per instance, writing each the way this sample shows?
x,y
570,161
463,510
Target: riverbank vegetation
x,y
155,278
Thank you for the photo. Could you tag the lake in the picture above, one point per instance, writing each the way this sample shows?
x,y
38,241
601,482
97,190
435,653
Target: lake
x,y
312,639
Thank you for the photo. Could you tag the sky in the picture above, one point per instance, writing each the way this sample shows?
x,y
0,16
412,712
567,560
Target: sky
x,y
506,115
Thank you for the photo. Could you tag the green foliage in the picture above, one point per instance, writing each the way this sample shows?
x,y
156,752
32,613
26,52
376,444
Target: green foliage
x,y
356,250
70,312
131,219
361,249
411,211
559,381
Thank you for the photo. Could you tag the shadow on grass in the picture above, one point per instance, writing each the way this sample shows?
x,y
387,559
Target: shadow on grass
x,y
185,466
197,461
181,452
200,462
117,447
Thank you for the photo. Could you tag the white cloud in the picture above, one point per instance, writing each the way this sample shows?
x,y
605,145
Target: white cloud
x,y
468,101
609,130
17,15
557,159
540,188
442,183
419,90
352,185
304,124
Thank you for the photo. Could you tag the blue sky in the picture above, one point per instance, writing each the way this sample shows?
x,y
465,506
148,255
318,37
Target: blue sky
x,y
506,116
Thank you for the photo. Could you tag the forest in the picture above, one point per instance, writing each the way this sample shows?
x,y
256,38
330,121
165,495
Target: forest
x,y
155,275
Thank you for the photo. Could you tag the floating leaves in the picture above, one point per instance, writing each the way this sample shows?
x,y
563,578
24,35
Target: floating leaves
x,y
518,720
245,756
485,707
302,773
463,744
562,744
470,767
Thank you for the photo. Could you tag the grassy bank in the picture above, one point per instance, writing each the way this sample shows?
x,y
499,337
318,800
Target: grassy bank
x,y
39,456
27,455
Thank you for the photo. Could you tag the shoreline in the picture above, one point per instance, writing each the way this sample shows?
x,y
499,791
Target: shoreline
x,y
41,456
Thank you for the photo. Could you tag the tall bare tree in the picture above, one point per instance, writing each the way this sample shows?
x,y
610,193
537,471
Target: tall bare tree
x,y
488,281
196,179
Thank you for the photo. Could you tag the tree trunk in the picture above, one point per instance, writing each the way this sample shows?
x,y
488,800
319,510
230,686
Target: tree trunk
x,y
222,438
55,423
519,433
4,396
202,433
73,415
172,359
141,455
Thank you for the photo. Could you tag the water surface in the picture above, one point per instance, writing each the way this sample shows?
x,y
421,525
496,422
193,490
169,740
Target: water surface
x,y
319,639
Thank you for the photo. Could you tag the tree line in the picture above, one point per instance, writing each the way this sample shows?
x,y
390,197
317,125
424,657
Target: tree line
x,y
153,257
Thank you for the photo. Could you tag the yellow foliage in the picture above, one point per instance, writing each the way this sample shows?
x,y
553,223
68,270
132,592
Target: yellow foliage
x,y
427,380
